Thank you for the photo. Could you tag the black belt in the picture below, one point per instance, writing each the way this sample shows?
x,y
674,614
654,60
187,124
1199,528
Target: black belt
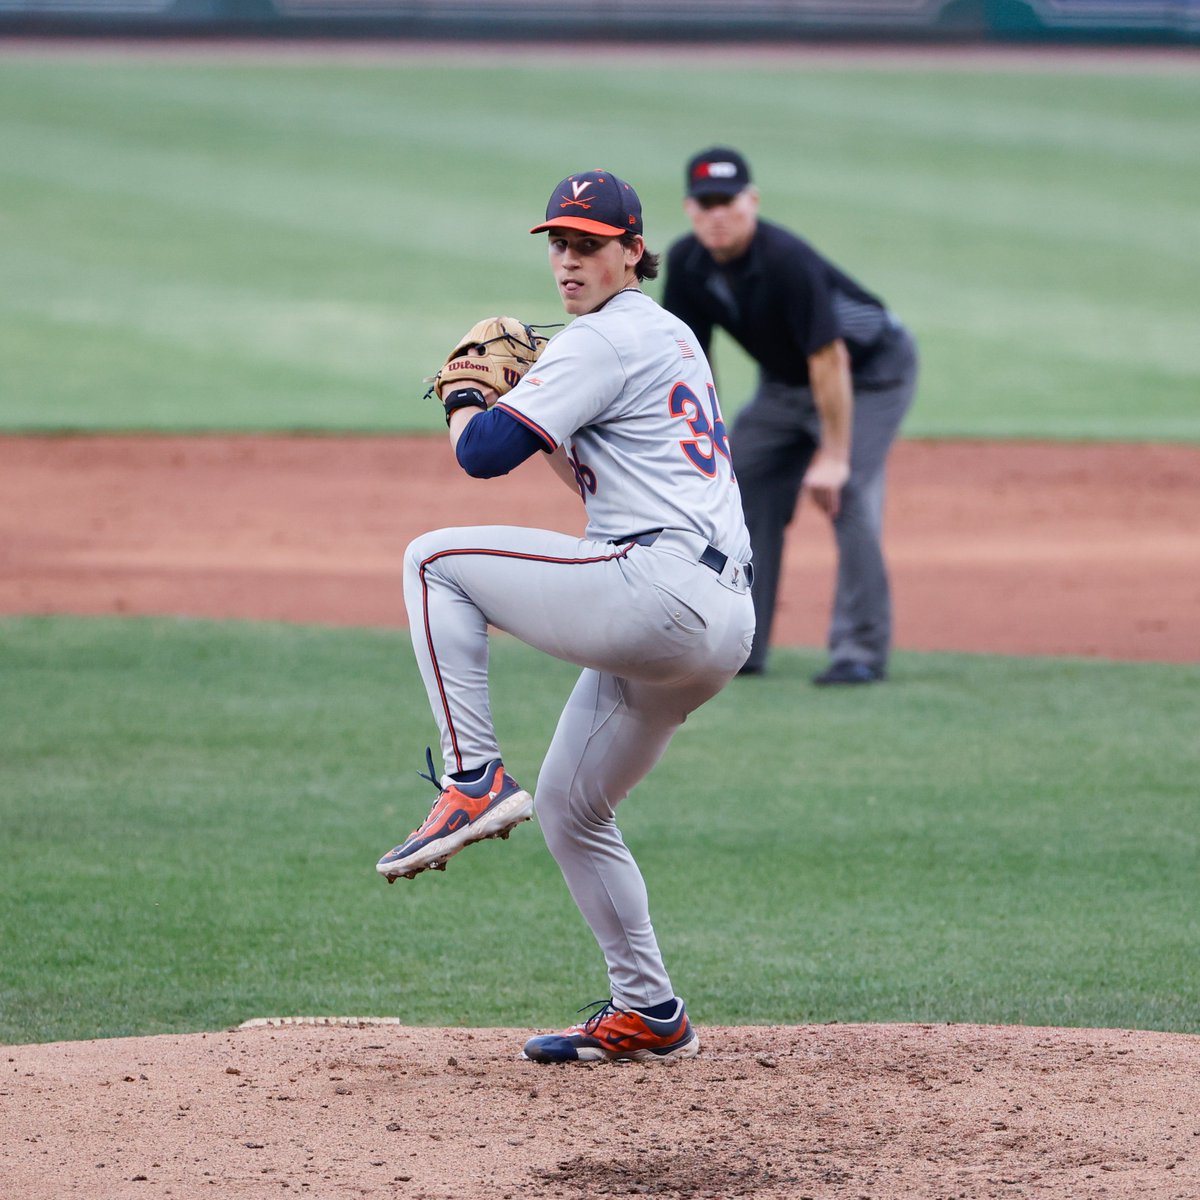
x,y
711,557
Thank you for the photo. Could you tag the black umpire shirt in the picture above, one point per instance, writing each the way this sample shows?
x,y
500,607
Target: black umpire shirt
x,y
782,301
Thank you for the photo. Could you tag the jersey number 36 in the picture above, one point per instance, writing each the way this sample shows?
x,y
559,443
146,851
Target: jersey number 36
x,y
708,433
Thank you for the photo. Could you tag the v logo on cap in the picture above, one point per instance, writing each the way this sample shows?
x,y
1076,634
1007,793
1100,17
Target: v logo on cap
x,y
612,206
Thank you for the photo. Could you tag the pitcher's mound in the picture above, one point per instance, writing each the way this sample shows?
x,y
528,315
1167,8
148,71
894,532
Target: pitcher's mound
x,y
333,1107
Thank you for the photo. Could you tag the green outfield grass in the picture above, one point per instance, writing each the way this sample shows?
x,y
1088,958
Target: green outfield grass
x,y
191,813
191,245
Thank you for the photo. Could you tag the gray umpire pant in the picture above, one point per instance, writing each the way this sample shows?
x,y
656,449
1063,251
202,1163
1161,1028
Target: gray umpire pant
x,y
773,441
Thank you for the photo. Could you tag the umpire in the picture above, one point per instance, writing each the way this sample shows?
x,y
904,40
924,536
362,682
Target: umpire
x,y
837,373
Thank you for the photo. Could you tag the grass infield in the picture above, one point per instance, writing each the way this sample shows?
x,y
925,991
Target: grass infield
x,y
192,811
195,244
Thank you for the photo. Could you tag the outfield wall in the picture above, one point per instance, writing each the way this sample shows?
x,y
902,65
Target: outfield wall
x,y
1143,21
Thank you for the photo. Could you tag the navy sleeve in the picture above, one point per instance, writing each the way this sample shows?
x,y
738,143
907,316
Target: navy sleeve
x,y
493,443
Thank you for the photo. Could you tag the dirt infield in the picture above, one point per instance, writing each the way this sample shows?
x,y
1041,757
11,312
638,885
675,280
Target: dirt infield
x,y
1011,548
1023,549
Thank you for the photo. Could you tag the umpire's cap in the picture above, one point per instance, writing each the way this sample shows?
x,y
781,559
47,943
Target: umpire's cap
x,y
717,172
594,202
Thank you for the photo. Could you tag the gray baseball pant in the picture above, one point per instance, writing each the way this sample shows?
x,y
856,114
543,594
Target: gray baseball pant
x,y
773,441
657,633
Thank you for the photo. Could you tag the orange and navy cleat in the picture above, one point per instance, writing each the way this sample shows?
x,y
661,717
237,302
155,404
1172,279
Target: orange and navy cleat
x,y
463,813
613,1033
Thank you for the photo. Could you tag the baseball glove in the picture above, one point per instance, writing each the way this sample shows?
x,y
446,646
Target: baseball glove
x,y
496,351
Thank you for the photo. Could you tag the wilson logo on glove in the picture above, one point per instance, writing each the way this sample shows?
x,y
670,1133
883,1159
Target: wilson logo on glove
x,y
495,352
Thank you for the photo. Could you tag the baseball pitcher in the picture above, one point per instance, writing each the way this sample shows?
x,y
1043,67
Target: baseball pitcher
x,y
652,602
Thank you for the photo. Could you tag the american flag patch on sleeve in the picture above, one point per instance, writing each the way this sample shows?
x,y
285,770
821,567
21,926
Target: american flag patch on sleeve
x,y
684,348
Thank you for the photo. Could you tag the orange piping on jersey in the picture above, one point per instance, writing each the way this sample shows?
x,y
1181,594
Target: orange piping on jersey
x,y
532,426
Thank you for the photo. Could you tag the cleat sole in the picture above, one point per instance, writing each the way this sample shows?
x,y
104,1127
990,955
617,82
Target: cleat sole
x,y
413,873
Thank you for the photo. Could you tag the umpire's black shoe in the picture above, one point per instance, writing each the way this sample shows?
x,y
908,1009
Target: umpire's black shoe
x,y
849,673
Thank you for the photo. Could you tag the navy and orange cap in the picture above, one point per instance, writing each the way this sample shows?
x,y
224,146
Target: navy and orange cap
x,y
720,171
594,202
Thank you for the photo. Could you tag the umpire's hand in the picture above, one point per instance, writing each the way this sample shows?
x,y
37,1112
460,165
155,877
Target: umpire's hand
x,y
824,480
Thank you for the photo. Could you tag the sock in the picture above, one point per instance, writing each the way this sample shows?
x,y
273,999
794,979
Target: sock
x,y
660,1012
472,776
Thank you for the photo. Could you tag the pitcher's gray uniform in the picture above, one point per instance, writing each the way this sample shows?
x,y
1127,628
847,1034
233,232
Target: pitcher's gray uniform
x,y
652,601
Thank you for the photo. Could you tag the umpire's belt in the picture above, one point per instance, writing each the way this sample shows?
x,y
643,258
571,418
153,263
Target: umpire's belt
x,y
733,573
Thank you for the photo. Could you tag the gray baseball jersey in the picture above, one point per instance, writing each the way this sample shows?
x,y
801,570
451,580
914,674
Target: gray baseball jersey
x,y
660,624
630,393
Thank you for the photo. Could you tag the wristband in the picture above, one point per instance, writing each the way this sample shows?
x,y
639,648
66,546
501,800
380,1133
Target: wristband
x,y
468,397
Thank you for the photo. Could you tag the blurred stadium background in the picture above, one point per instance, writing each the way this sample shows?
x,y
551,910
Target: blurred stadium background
x,y
1071,20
